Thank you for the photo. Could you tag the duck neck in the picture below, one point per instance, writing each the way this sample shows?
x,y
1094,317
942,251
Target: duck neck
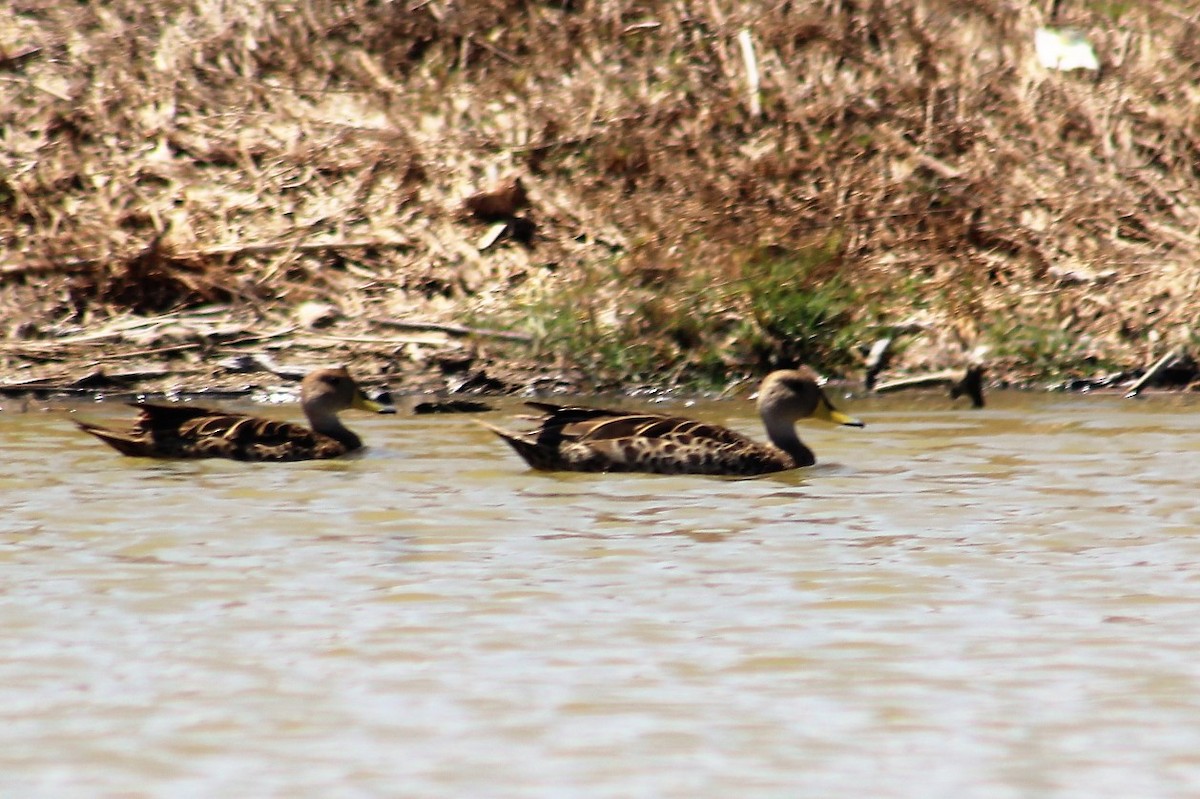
x,y
783,435
330,425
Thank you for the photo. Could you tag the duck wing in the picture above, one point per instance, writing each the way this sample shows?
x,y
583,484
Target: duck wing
x,y
193,432
600,424
603,440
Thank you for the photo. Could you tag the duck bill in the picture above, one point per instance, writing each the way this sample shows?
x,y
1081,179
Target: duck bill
x,y
363,403
826,412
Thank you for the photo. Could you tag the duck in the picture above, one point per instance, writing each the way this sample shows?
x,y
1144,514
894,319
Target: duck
x,y
581,439
185,431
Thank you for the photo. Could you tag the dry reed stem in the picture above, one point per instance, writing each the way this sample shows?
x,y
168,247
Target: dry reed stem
x,y
150,155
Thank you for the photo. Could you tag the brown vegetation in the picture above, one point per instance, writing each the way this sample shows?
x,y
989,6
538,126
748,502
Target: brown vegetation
x,y
704,190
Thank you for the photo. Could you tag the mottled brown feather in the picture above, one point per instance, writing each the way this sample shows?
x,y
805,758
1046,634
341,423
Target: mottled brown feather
x,y
181,431
574,438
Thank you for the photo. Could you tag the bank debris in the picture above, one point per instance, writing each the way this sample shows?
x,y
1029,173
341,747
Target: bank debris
x,y
520,196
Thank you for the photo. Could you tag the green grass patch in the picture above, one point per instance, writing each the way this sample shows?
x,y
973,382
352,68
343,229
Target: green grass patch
x,y
803,307
699,328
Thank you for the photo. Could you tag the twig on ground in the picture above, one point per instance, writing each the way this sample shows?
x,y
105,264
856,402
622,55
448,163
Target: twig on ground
x,y
967,383
1152,373
54,266
457,331
746,42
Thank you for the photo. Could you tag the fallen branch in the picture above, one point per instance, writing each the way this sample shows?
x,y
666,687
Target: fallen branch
x,y
934,165
931,380
10,60
120,356
1152,373
49,267
313,338
125,328
52,266
93,380
294,246
457,331
746,42
967,383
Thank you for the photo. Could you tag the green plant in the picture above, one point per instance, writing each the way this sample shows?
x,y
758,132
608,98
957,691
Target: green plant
x,y
802,306
1042,348
699,326
580,320
1113,10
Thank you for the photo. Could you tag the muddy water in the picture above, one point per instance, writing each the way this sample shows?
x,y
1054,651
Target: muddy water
x,y
952,604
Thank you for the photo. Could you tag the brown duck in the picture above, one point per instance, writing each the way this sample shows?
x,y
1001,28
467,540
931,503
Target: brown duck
x,y
184,431
600,440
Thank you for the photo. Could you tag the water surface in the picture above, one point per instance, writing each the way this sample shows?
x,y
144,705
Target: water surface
x,y
953,603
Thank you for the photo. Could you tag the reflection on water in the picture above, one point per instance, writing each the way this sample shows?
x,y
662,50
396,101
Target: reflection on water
x,y
952,603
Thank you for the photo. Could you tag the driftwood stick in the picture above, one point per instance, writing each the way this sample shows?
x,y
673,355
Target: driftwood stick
x,y
119,329
918,381
97,378
69,266
316,338
120,356
66,266
258,248
1152,373
457,331
967,383
8,60
746,43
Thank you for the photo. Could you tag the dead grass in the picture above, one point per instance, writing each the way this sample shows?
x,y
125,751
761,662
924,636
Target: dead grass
x,y
258,156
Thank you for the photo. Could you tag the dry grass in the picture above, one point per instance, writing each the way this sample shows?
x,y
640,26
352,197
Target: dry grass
x,y
262,156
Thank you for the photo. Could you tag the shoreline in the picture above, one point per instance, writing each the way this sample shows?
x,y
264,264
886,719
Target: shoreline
x,y
590,202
